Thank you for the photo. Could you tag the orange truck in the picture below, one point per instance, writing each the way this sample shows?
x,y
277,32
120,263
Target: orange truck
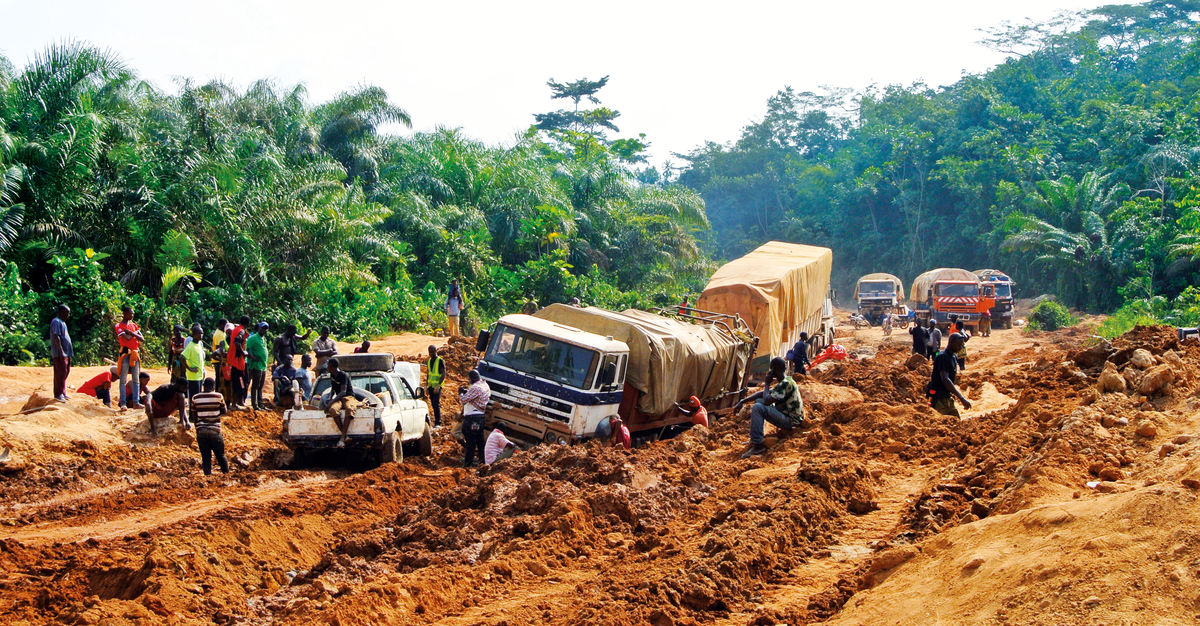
x,y
949,294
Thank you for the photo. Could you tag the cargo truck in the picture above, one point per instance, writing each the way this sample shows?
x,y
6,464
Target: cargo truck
x,y
1002,286
944,294
877,294
562,374
779,290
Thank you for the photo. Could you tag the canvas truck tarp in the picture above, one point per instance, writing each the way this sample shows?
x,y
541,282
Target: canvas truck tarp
x,y
922,283
778,289
669,359
880,277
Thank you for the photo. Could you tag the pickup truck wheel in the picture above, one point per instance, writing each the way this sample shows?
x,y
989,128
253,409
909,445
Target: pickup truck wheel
x,y
390,450
1008,324
425,445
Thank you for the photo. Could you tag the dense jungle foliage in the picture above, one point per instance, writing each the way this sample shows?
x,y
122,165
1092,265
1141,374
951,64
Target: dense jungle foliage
x,y
1072,166
215,202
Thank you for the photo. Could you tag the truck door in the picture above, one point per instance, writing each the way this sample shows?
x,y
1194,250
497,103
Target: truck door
x,y
411,414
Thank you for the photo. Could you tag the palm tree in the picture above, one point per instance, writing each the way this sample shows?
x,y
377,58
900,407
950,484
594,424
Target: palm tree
x,y
349,127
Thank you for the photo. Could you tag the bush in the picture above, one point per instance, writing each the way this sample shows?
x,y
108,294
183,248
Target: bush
x,y
20,342
1132,313
1050,315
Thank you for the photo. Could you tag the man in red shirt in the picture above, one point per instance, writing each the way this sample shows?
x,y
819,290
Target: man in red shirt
x,y
236,358
129,361
100,386
696,410
620,434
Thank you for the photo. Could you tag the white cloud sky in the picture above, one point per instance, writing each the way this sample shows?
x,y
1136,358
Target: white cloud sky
x,y
681,72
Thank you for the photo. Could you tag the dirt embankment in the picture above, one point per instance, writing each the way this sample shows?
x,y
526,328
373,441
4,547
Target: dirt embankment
x,y
1065,496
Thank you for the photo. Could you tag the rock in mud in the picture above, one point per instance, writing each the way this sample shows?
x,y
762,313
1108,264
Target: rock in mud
x,y
1141,359
891,558
1156,379
1146,428
1093,356
1111,473
1110,380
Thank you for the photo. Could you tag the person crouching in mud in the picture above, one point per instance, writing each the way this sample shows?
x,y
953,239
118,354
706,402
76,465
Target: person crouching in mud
x,y
781,405
942,391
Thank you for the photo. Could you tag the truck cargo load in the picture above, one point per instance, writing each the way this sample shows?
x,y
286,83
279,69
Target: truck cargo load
x,y
922,284
867,285
780,290
669,359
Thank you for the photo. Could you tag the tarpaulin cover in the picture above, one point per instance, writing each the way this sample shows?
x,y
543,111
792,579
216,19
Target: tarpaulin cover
x,y
988,274
922,284
776,289
669,359
880,277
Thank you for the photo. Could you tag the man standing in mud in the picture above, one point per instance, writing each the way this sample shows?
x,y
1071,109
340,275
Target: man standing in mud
x,y
920,340
942,391
129,360
474,402
780,405
324,348
61,351
934,344
435,375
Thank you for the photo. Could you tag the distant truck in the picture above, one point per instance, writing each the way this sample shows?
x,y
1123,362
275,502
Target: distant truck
x,y
877,294
561,374
780,290
1002,287
945,293
391,416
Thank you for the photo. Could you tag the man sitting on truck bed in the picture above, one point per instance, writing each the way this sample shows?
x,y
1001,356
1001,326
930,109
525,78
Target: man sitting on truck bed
x,y
781,405
341,391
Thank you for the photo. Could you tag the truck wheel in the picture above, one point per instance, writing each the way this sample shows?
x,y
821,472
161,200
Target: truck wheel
x,y
425,445
390,450
299,458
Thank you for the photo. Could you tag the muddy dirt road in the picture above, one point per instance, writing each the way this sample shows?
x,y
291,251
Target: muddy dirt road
x,y
1049,502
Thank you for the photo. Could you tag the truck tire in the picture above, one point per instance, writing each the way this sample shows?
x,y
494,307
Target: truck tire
x,y
390,450
1008,324
425,444
299,458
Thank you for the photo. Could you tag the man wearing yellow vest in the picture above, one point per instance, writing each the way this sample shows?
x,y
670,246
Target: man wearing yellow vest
x,y
435,375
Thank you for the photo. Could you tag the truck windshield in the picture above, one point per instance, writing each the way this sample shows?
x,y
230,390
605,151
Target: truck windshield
x,y
1003,290
875,287
950,290
534,354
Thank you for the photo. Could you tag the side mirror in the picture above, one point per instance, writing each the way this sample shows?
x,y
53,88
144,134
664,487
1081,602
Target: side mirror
x,y
420,393
482,341
608,374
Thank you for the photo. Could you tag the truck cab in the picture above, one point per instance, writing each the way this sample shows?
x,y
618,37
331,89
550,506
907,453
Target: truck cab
x,y
958,299
1002,311
875,298
550,382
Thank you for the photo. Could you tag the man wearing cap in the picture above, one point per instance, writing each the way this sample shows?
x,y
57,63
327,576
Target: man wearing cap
x,y
256,365
696,410
780,405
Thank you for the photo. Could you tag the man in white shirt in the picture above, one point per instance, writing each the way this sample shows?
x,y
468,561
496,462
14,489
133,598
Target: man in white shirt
x,y
474,401
498,446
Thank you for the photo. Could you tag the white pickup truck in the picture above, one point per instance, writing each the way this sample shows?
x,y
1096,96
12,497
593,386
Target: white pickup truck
x,y
392,413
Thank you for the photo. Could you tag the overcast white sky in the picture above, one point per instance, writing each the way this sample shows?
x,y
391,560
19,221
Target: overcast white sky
x,y
681,72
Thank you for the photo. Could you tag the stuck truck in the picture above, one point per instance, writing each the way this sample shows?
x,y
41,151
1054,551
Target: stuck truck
x,y
561,374
1002,287
391,413
944,294
877,294
779,290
